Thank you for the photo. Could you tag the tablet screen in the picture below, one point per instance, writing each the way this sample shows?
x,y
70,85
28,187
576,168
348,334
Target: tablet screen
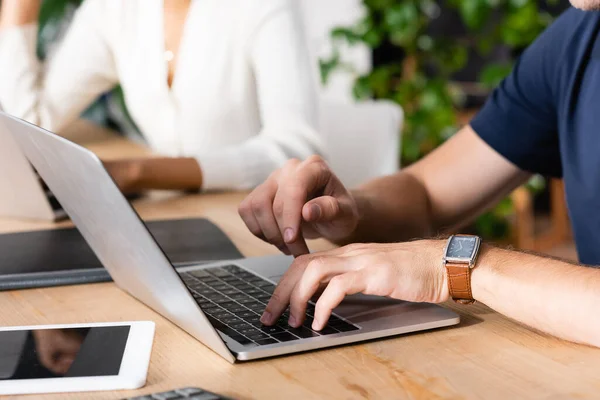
x,y
56,353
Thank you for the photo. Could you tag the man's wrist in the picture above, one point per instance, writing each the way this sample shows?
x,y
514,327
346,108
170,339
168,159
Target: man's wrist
x,y
362,203
482,274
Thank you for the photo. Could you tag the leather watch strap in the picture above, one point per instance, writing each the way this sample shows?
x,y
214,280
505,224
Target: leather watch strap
x,y
459,282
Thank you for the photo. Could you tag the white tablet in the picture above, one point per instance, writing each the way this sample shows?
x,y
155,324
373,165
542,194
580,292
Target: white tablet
x,y
74,358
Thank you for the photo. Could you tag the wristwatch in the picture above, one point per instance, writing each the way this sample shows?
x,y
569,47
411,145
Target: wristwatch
x,y
460,256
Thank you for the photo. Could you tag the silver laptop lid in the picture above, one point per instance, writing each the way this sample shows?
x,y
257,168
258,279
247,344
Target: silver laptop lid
x,y
22,193
112,228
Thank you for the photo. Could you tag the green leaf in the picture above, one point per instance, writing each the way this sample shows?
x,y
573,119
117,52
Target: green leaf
x,y
346,34
327,66
402,22
474,13
493,74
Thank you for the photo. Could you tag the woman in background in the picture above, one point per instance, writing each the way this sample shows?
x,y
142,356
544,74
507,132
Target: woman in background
x,y
222,88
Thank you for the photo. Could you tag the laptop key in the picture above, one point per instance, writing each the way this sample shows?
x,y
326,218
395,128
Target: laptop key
x,y
265,342
257,336
244,341
253,292
249,331
166,396
236,308
303,332
264,297
271,329
218,271
210,281
240,325
239,296
255,305
219,287
229,320
245,274
346,327
284,337
218,298
201,274
221,314
333,320
328,330
232,268
269,289
263,284
246,314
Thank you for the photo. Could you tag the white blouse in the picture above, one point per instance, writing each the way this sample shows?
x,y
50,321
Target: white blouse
x,y
243,99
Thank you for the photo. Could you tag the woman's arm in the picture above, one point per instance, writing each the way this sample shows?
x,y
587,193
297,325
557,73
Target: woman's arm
x,y
287,102
81,69
135,176
19,12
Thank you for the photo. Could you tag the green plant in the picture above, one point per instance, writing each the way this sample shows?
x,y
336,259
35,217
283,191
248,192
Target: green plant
x,y
422,82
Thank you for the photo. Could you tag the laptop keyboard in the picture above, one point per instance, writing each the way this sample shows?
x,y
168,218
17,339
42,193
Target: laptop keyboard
x,y
234,299
53,201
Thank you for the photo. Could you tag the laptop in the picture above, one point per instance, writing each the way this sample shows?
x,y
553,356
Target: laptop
x,y
24,194
219,304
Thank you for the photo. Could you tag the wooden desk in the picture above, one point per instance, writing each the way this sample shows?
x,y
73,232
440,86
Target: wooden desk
x,y
486,356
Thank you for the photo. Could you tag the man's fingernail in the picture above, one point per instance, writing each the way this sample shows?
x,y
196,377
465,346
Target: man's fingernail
x,y
292,321
316,325
266,318
316,211
288,235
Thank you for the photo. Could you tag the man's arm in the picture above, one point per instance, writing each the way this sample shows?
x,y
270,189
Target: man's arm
x,y
447,188
552,296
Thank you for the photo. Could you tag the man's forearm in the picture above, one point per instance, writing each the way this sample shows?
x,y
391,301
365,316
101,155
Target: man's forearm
x,y
392,208
553,296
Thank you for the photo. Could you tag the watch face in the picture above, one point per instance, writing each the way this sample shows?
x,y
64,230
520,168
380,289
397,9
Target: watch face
x,y
461,247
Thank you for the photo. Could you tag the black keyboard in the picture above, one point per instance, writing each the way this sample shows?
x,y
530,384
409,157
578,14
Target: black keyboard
x,y
234,299
186,393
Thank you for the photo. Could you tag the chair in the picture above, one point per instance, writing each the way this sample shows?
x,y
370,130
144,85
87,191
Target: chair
x,y
363,139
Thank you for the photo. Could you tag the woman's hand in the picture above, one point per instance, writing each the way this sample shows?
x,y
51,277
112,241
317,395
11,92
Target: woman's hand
x,y
411,271
127,174
302,200
19,12
157,173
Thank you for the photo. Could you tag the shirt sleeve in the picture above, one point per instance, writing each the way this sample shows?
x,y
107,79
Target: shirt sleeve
x,y
81,69
288,106
519,119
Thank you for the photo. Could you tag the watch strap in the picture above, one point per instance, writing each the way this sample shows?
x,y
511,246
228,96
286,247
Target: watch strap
x,y
459,282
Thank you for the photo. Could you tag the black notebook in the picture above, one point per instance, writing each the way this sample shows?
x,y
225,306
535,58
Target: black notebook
x,y
62,257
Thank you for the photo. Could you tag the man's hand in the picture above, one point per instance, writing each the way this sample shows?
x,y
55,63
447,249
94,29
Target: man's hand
x,y
302,200
409,271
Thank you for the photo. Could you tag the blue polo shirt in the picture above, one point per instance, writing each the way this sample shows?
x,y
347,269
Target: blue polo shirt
x,y
545,118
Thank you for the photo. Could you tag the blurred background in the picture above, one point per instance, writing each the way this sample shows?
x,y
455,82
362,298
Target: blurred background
x,y
438,60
